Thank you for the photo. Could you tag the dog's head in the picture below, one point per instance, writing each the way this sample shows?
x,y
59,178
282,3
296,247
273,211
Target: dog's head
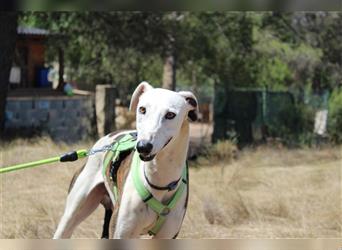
x,y
160,114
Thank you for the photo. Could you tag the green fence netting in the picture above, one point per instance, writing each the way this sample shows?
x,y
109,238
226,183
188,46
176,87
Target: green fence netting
x,y
248,114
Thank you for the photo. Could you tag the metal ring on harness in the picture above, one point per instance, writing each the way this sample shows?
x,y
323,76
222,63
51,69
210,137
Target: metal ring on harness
x,y
165,211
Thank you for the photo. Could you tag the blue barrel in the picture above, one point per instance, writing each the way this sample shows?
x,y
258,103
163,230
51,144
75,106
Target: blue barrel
x,y
42,77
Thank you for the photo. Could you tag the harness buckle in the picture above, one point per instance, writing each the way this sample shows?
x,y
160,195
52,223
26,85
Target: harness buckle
x,y
172,185
165,211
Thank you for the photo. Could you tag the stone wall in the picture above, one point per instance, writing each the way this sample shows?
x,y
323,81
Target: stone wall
x,y
64,118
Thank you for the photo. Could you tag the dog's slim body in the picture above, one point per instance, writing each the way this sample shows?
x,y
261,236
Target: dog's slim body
x,y
162,143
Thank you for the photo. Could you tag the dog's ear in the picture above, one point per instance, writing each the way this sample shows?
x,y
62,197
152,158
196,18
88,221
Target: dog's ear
x,y
142,88
193,104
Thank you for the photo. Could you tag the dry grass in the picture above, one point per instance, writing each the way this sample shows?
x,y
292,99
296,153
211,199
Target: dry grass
x,y
268,193
265,193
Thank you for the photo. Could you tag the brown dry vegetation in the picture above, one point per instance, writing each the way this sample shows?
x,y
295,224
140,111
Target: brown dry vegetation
x,y
265,192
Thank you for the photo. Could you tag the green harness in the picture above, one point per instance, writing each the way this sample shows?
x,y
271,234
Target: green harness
x,y
127,143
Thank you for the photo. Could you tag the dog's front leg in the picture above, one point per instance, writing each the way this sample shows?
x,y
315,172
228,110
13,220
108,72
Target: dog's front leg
x,y
173,223
84,197
130,221
133,215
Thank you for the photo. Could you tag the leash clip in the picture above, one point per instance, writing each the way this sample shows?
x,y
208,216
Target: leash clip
x,y
103,149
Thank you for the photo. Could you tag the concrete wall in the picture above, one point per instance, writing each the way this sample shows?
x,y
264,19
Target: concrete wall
x,y
63,118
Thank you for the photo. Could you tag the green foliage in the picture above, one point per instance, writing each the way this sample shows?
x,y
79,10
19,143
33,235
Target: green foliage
x,y
281,64
322,30
228,56
121,48
231,48
294,124
335,116
273,73
220,50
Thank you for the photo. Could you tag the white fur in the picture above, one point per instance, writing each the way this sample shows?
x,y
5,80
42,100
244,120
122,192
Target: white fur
x,y
134,217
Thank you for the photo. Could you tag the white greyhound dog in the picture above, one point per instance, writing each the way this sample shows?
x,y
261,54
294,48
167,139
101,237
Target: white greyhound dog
x,y
162,145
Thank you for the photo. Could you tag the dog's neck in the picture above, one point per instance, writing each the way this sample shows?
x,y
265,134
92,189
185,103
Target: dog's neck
x,y
169,163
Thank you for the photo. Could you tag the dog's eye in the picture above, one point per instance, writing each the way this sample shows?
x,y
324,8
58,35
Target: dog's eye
x,y
142,110
170,115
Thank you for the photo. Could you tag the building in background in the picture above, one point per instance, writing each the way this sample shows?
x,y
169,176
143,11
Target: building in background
x,y
33,105
29,69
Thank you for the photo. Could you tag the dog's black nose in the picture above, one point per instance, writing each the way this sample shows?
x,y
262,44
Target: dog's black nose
x,y
144,147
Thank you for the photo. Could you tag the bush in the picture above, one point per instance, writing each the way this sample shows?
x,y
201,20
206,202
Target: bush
x,y
294,124
221,151
335,116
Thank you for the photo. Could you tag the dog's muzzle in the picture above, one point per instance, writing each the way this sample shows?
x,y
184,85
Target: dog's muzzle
x,y
144,149
146,157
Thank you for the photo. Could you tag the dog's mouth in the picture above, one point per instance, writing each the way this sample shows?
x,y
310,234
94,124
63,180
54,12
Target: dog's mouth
x,y
149,157
167,142
146,157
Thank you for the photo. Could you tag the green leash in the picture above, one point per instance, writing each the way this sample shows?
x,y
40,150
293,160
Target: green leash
x,y
125,143
71,156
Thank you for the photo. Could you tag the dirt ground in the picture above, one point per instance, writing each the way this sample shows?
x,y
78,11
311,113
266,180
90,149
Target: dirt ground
x,y
264,193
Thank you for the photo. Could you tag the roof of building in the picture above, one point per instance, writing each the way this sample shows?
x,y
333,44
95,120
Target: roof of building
x,y
32,31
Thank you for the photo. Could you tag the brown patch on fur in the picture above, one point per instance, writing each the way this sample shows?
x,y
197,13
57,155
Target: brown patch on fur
x,y
74,178
121,179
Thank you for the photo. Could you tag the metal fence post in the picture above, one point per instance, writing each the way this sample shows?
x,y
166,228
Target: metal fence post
x,y
264,105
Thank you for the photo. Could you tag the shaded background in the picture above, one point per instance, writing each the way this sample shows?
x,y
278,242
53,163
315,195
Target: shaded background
x,y
257,75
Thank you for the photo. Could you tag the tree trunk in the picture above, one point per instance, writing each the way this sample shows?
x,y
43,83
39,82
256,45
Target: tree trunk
x,y
8,33
169,73
194,80
61,81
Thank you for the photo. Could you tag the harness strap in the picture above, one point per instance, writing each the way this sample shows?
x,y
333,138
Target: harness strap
x,y
171,186
158,207
125,143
